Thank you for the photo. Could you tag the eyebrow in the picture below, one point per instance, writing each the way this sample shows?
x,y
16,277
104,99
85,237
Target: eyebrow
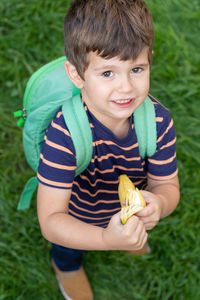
x,y
108,67
141,65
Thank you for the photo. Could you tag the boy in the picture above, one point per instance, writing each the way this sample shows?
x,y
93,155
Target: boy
x,y
109,46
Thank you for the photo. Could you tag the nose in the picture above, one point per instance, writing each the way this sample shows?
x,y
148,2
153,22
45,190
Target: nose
x,y
125,84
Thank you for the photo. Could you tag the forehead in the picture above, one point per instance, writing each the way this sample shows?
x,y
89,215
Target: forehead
x,y
96,61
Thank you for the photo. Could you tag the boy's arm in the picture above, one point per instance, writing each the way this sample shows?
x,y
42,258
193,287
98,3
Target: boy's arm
x,y
162,198
59,227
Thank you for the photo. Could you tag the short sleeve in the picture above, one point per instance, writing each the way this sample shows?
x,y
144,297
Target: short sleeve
x,y
57,163
163,164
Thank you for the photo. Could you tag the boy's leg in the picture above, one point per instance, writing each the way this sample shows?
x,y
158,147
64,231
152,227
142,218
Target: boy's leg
x,y
66,259
71,277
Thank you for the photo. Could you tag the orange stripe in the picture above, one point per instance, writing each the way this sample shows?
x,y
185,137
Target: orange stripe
x,y
137,182
96,143
162,177
162,162
158,102
56,146
153,97
95,194
98,180
113,169
54,183
100,223
126,169
159,119
58,127
169,144
54,165
90,218
97,202
59,114
168,128
94,212
108,182
115,156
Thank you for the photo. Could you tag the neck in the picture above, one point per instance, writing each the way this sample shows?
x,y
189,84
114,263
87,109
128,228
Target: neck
x,y
121,128
118,127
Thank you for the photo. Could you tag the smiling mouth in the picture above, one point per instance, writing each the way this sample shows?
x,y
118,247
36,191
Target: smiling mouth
x,y
123,101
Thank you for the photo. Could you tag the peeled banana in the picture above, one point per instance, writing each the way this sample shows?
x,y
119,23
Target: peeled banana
x,y
130,198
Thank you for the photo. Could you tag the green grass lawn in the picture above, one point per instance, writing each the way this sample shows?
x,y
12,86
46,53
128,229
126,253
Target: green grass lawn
x,y
31,35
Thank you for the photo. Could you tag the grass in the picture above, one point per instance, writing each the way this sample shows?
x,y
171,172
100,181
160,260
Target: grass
x,y
31,36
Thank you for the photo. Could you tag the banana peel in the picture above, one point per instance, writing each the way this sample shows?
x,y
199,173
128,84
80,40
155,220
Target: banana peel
x,y
134,200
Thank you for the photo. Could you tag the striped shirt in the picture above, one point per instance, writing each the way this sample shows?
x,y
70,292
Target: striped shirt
x,y
94,196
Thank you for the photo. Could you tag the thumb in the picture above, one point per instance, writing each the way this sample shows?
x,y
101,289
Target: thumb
x,y
147,196
115,219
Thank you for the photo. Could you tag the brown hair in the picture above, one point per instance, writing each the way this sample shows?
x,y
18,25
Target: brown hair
x,y
111,28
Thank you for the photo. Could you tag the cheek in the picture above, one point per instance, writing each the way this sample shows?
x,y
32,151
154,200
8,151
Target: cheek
x,y
144,84
99,90
147,85
94,92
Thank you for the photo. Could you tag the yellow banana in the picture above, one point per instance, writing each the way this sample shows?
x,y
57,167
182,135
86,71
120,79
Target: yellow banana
x,y
134,201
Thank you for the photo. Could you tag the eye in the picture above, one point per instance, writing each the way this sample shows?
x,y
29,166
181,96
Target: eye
x,y
137,70
107,74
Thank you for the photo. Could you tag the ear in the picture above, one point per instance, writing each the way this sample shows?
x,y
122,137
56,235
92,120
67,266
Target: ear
x,y
73,75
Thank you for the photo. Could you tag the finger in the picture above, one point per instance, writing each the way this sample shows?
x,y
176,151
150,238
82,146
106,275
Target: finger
x,y
149,219
147,196
132,222
142,237
150,225
140,229
145,212
116,218
131,228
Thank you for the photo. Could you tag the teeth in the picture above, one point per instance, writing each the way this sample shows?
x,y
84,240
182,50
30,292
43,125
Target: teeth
x,y
123,101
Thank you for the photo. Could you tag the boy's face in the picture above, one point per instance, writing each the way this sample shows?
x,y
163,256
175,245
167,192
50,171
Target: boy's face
x,y
113,89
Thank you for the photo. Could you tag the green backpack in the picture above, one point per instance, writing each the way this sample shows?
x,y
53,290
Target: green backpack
x,y
50,88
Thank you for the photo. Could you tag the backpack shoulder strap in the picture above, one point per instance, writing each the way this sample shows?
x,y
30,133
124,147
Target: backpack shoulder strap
x,y
29,189
78,124
145,127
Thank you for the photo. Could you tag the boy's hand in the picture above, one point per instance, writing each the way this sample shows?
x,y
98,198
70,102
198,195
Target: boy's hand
x,y
151,214
131,236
